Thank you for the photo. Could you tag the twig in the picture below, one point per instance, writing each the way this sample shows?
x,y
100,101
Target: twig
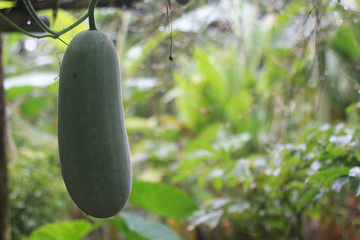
x,y
37,19
14,25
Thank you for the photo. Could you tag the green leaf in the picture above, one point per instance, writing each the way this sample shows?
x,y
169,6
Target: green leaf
x,y
205,137
354,179
237,107
345,44
357,155
32,107
145,229
329,173
7,4
329,180
336,151
310,194
352,107
17,92
188,110
53,88
211,74
120,224
137,124
161,199
275,223
74,230
339,183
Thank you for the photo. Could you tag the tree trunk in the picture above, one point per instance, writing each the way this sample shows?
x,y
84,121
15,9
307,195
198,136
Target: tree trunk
x,y
4,191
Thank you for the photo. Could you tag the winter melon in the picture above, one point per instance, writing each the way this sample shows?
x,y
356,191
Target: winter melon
x,y
93,145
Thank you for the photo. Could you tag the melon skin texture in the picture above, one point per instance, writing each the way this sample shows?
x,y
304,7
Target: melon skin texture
x,y
93,144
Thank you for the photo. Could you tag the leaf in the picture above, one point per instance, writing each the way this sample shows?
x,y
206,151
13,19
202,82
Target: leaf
x,y
329,173
146,229
32,107
210,218
162,199
341,140
232,143
237,107
275,223
357,155
7,4
188,110
120,224
18,92
242,170
211,74
53,88
336,151
205,137
354,180
137,124
339,183
345,44
74,230
310,194
329,180
352,107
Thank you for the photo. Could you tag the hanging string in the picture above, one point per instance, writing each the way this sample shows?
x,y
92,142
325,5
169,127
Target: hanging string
x,y
169,23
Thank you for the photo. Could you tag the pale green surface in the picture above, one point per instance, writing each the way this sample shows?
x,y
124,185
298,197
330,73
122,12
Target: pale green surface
x,y
93,145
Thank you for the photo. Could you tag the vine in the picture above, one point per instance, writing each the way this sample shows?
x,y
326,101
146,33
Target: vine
x,y
49,32
169,23
92,6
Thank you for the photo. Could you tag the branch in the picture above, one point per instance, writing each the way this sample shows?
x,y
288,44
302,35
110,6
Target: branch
x,y
65,4
14,25
65,30
50,32
82,4
34,15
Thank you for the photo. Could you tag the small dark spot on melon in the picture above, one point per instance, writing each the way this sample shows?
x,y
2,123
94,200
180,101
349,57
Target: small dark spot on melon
x,y
75,76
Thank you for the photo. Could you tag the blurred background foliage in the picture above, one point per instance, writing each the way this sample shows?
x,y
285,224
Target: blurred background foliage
x,y
252,132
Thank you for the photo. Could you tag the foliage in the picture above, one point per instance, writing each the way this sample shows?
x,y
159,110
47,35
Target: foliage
x,y
252,132
76,230
6,4
37,193
161,199
129,224
228,143
135,227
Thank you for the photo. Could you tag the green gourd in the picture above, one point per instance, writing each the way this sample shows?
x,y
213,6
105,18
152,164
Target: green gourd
x,y
93,145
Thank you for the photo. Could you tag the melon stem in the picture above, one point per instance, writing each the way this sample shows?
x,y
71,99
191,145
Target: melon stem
x,y
91,10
